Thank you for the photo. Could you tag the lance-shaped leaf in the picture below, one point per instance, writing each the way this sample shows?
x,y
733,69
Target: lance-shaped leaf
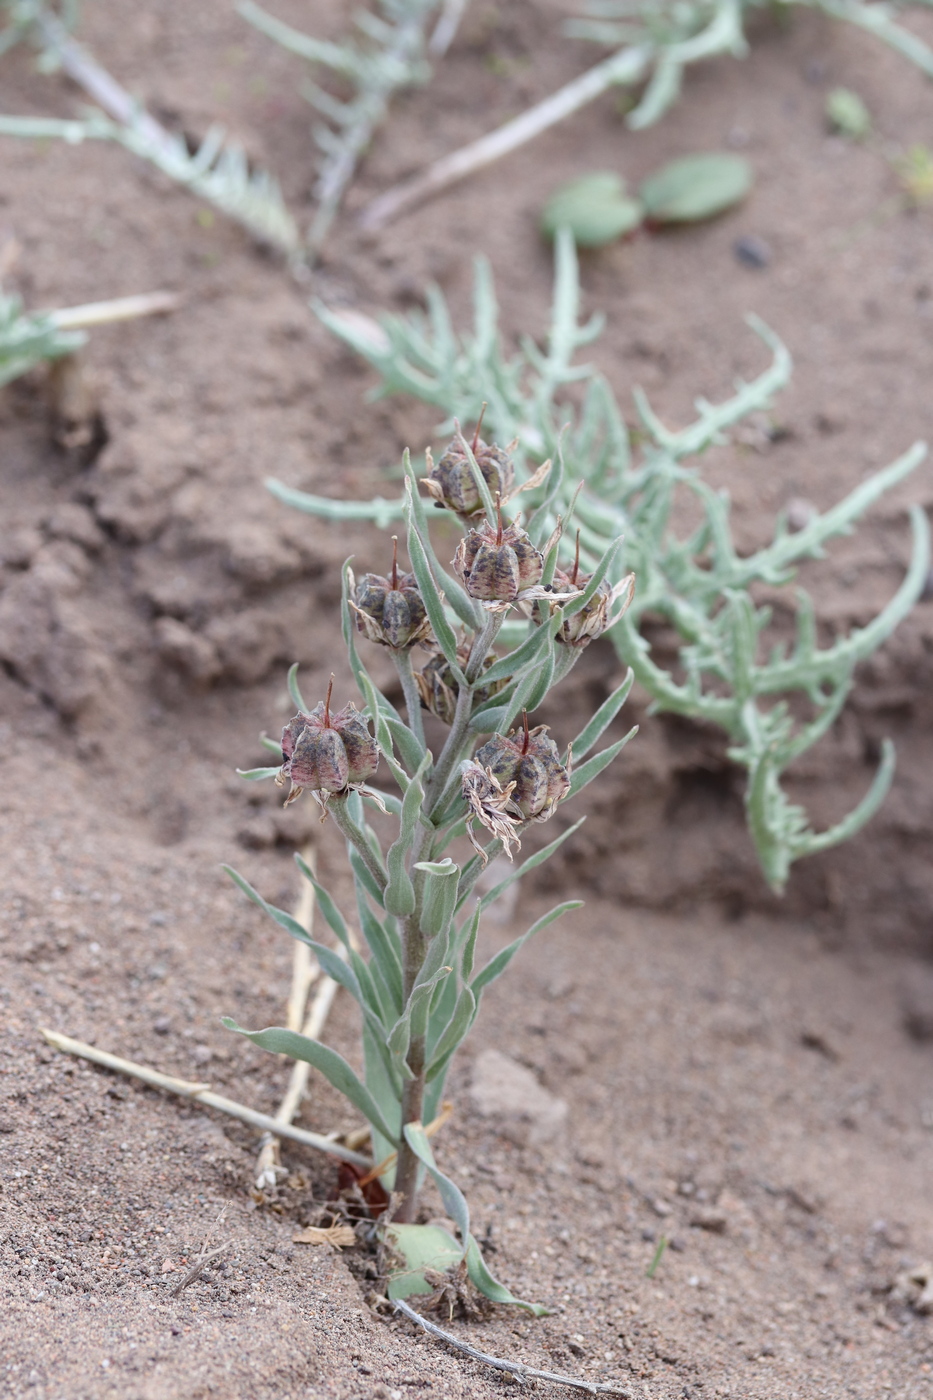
x,y
592,732
293,690
433,603
453,1033
325,903
497,965
528,865
400,892
255,775
595,765
516,661
286,921
451,1195
456,1208
333,1067
490,1287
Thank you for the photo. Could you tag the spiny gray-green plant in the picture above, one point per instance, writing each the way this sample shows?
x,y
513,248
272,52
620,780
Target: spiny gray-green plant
x,y
622,483
489,777
673,34
218,171
28,339
388,53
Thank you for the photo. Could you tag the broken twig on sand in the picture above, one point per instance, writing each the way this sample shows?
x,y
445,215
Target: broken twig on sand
x,y
513,1368
202,1093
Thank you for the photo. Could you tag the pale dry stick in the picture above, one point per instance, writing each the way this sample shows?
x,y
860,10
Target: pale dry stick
x,y
202,1093
101,313
305,967
304,974
627,66
513,1368
445,31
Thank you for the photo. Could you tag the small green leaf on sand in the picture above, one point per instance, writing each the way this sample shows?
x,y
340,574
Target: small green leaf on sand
x,y
696,187
847,114
595,208
420,1247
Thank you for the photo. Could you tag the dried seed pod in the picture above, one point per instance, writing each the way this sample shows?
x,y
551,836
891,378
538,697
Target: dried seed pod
x,y
390,610
497,564
439,690
604,609
327,752
452,484
528,763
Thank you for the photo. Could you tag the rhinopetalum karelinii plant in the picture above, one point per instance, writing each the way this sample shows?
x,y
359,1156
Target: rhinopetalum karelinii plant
x,y
492,775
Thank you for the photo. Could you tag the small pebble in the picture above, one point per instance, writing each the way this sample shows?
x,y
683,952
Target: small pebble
x,y
752,251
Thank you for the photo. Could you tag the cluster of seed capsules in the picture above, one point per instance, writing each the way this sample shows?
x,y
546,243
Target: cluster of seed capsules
x,y
512,778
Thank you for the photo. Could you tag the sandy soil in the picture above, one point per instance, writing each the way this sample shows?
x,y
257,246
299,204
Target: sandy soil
x,y
738,1070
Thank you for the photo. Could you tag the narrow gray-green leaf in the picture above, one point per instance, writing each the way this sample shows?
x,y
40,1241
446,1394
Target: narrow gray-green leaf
x,y
293,690
333,1067
452,1197
592,732
324,902
595,765
497,965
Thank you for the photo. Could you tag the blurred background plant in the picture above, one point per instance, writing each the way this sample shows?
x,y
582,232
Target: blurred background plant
x,y
772,704
655,42
218,171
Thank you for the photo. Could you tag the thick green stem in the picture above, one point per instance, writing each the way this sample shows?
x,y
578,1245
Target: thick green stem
x,y
337,806
406,675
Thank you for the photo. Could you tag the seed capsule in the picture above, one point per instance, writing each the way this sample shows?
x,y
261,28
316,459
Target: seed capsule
x,y
327,752
527,764
390,610
604,609
452,483
439,690
498,563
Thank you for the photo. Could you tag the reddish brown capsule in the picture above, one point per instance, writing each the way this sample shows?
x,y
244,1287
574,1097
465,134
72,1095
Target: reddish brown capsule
x,y
604,609
327,752
496,564
390,610
528,764
452,484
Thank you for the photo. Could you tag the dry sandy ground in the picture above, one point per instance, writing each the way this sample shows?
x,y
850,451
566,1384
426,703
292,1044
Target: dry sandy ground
x,y
738,1074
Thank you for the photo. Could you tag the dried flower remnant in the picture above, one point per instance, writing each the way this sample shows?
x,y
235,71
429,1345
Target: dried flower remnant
x,y
328,753
489,803
390,610
604,609
452,484
527,764
439,690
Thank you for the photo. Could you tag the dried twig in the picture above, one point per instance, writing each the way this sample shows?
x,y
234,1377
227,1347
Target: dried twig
x,y
201,1093
197,1268
517,1369
304,974
627,66
99,313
